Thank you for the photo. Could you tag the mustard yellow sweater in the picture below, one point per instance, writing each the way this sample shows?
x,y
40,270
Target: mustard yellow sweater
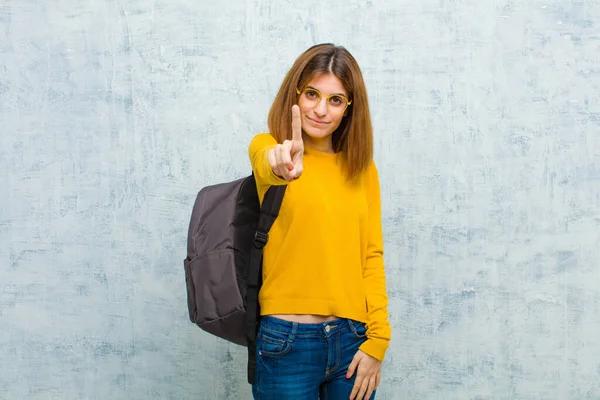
x,y
325,250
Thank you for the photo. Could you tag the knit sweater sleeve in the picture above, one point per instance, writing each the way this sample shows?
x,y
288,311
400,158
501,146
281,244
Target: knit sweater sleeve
x,y
378,327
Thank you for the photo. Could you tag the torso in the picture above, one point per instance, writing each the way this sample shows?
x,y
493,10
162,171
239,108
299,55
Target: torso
x,y
307,288
305,318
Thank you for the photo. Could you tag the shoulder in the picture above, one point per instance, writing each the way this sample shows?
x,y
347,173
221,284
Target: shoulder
x,y
263,138
260,141
371,182
372,173
372,167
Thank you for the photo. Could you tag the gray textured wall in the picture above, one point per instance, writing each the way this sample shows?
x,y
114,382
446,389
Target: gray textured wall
x,y
114,113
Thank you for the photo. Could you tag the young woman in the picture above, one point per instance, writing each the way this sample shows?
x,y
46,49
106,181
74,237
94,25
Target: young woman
x,y
324,326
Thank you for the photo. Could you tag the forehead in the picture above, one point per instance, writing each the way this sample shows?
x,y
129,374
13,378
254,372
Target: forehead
x,y
327,84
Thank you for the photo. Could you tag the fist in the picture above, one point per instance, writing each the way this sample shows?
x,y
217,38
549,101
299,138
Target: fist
x,y
286,158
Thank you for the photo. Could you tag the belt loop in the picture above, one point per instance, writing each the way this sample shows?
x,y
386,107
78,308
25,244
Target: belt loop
x,y
292,335
351,325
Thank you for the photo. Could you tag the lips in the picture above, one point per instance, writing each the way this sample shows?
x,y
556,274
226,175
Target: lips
x,y
317,123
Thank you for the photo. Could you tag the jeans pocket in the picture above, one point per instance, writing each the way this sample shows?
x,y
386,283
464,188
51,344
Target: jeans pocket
x,y
359,329
272,343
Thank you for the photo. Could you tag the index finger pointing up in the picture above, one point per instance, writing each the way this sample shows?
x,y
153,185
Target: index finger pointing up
x,y
296,124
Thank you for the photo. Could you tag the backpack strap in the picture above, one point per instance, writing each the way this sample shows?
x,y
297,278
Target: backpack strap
x,y
268,214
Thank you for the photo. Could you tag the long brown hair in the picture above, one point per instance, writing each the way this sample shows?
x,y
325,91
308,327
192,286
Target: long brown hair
x,y
354,136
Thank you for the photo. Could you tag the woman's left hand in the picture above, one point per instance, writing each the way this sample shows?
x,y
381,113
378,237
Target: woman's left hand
x,y
368,375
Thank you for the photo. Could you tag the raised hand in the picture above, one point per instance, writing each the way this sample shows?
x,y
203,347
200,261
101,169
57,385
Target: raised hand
x,y
286,158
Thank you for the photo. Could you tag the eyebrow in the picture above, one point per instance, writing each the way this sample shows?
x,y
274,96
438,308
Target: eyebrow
x,y
333,94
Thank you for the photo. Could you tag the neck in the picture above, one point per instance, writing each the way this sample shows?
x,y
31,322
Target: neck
x,y
325,144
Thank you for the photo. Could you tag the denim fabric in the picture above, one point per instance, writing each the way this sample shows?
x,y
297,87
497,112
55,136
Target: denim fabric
x,y
306,361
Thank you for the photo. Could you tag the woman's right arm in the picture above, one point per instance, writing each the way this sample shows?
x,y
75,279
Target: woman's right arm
x,y
277,164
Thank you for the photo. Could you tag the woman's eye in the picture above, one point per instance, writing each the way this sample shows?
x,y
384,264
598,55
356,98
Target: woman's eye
x,y
336,100
311,94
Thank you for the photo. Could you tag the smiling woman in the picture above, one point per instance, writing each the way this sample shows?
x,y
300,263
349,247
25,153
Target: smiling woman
x,y
321,118
324,326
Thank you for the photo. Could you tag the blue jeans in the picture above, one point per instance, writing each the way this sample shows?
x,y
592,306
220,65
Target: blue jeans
x,y
306,361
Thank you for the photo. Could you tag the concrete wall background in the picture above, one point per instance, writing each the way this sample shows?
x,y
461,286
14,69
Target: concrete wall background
x,y
114,113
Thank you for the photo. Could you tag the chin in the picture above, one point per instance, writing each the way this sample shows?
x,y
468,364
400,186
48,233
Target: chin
x,y
317,134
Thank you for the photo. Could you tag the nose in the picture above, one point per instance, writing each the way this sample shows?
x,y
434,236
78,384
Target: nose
x,y
321,108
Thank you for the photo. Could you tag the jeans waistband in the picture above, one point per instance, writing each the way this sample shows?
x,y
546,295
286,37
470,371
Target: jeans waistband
x,y
310,329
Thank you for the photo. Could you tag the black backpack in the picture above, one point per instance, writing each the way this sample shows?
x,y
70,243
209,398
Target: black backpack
x,y
223,268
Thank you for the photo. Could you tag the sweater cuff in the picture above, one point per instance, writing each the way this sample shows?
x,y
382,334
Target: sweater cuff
x,y
376,348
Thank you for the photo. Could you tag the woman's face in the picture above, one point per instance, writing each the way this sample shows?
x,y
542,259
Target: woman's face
x,y
321,115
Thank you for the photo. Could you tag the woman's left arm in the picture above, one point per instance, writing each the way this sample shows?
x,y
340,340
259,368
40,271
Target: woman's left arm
x,y
367,362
